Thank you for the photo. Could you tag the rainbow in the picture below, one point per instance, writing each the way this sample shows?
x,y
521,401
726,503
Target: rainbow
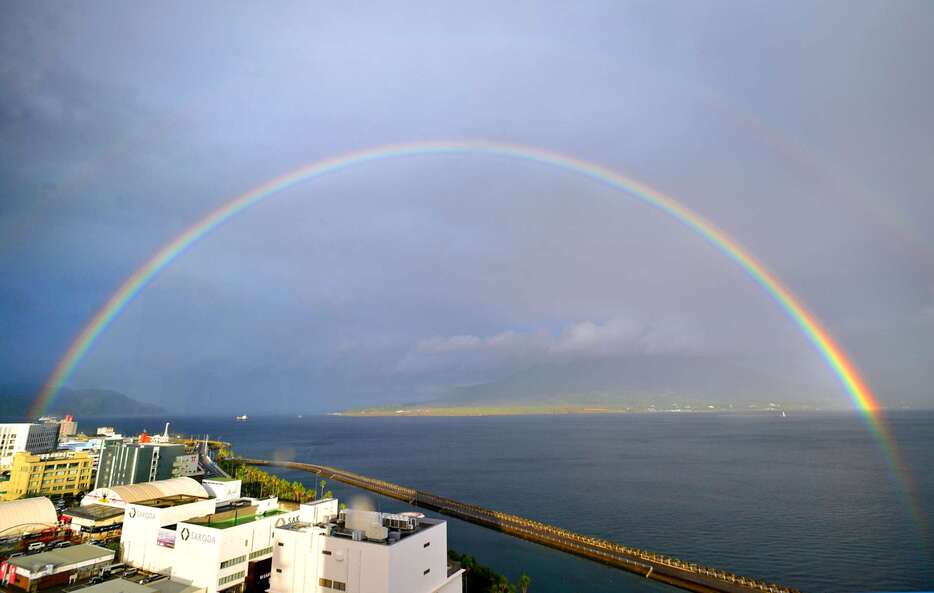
x,y
835,357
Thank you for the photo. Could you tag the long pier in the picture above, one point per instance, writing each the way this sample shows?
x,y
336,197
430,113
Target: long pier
x,y
672,571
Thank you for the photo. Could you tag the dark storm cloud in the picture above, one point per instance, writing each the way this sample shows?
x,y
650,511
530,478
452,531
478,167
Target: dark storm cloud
x,y
803,130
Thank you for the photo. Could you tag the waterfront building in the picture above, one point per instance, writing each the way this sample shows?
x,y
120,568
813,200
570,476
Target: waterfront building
x,y
124,462
49,474
120,496
24,437
56,567
361,552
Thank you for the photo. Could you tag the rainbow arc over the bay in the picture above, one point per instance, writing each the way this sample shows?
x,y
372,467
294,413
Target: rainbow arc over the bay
x,y
835,357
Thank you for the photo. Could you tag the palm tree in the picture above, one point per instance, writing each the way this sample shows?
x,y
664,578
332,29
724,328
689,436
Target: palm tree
x,y
524,582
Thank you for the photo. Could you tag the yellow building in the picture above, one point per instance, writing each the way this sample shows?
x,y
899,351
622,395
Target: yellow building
x,y
49,474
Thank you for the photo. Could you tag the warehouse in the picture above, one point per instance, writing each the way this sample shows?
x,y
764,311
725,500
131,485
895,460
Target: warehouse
x,y
56,567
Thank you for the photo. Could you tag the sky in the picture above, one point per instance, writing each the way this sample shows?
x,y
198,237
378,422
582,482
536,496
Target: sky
x,y
803,130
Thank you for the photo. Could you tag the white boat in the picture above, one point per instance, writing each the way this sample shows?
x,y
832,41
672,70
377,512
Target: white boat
x,y
783,414
243,418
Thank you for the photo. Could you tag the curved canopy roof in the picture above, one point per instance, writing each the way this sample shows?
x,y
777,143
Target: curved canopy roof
x,y
26,515
123,495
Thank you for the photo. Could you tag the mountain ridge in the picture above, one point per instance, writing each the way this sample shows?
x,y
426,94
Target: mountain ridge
x,y
16,399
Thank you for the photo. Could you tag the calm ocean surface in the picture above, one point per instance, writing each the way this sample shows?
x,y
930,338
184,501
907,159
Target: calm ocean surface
x,y
809,500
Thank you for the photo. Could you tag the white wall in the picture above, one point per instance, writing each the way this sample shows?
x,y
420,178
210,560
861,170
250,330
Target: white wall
x,y
223,490
200,552
365,567
410,558
141,525
318,511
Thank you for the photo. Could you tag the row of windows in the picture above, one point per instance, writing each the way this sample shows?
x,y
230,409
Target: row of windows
x,y
258,553
36,480
232,561
336,585
230,578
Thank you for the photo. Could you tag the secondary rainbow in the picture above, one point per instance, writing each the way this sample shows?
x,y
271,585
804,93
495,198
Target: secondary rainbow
x,y
857,388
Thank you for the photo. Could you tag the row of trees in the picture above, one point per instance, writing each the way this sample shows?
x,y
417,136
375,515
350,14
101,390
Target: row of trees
x,y
483,579
258,483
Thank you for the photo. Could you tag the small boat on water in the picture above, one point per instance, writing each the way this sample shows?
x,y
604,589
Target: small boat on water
x,y
243,418
783,414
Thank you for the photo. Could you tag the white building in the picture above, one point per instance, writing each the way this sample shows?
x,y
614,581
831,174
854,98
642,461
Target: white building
x,y
148,538
361,552
23,436
230,550
217,546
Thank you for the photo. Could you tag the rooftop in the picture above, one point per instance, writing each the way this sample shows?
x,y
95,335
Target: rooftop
x,y
116,586
237,520
163,585
170,586
174,500
95,512
62,557
338,529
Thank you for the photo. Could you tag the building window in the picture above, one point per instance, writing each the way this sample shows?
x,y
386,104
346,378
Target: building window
x,y
427,570
230,578
258,553
339,586
325,583
281,544
278,570
326,552
232,561
426,544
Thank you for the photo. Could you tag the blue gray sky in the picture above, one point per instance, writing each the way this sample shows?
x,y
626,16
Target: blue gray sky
x,y
802,129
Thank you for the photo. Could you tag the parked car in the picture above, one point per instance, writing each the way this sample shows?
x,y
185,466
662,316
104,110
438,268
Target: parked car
x,y
96,580
61,545
35,546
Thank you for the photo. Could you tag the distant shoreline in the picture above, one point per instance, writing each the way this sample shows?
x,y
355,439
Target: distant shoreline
x,y
550,410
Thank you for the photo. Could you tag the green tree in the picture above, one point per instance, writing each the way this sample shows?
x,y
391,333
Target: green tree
x,y
524,582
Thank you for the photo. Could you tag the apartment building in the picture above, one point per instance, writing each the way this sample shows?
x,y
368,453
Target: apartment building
x,y
20,437
49,474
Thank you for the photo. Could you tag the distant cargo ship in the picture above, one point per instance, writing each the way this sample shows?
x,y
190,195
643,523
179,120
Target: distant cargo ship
x,y
243,418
